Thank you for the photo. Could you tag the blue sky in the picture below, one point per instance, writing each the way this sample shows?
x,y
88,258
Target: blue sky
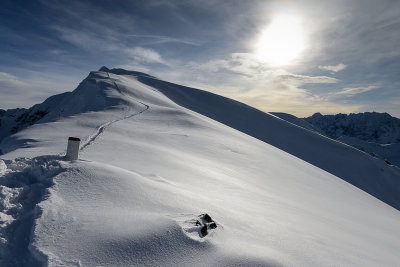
x,y
298,57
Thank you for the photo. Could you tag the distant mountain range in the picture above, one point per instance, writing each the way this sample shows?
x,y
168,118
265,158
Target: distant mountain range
x,y
375,133
369,126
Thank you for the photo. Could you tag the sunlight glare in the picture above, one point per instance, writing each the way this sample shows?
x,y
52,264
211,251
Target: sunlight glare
x,y
282,42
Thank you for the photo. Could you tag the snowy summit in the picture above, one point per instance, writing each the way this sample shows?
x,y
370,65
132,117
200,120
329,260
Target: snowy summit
x,y
174,176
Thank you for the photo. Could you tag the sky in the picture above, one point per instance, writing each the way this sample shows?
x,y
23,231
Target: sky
x,y
298,57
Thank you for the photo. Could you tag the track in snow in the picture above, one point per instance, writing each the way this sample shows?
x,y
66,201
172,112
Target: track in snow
x,y
102,127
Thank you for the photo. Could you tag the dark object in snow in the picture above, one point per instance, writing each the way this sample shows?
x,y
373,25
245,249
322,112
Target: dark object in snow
x,y
207,218
388,162
213,225
206,223
204,231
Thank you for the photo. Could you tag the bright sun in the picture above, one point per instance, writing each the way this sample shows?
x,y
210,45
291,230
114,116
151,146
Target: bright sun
x,y
282,42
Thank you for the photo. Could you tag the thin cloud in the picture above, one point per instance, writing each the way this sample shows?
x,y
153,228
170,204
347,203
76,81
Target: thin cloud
x,y
160,39
9,83
249,65
145,55
245,64
32,88
87,41
356,90
210,66
135,67
304,79
335,68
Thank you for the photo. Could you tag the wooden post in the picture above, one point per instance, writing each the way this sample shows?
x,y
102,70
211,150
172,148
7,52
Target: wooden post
x,y
73,148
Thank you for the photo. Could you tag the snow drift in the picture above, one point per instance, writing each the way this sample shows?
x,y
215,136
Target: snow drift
x,y
155,156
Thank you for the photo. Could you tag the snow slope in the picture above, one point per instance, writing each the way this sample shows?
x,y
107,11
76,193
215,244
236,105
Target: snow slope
x,y
360,169
150,166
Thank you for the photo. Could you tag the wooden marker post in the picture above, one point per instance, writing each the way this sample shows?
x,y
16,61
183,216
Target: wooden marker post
x,y
73,148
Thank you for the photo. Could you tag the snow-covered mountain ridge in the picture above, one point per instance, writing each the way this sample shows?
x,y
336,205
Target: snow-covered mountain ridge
x,y
156,156
369,126
61,105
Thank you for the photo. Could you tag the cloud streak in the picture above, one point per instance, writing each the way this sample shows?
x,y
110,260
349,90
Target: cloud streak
x,y
94,43
145,55
160,39
31,88
249,65
9,81
351,91
335,68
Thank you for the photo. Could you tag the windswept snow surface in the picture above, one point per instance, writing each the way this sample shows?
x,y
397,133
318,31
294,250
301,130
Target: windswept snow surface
x,y
149,167
360,169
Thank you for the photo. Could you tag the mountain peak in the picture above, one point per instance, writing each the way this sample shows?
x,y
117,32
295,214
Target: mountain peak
x,y
119,71
104,68
317,115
